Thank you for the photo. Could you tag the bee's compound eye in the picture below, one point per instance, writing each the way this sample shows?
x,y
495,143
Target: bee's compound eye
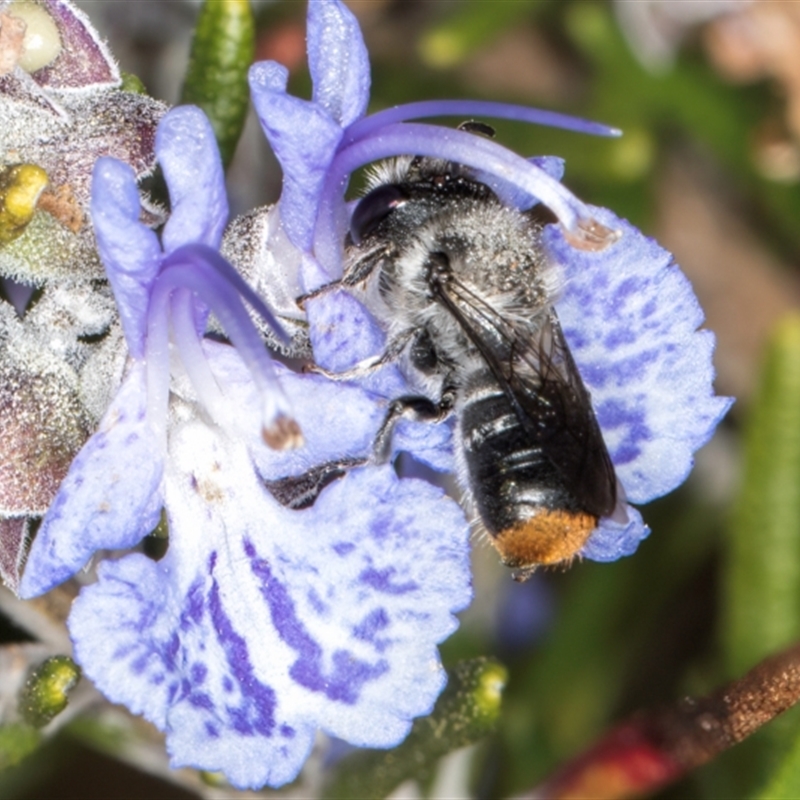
x,y
374,208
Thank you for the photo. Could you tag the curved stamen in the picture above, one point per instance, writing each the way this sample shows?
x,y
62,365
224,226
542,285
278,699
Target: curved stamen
x,y
479,108
460,147
184,331
157,364
207,254
203,272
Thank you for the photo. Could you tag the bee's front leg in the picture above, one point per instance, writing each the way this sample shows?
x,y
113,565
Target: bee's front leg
x,y
415,407
369,365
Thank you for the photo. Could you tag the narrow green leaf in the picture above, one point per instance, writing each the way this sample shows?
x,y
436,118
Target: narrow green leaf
x,y
466,712
16,742
132,83
762,577
785,782
222,51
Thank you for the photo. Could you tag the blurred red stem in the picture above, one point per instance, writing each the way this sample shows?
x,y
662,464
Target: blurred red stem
x,y
654,748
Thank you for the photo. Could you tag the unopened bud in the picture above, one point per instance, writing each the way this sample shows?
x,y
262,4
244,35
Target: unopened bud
x,y
20,188
41,43
46,691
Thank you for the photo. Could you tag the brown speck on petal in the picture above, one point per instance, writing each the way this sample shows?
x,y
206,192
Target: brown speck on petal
x,y
63,205
590,235
42,427
283,434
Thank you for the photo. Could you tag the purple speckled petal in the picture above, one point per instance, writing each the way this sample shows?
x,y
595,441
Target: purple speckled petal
x,y
612,540
84,61
130,599
630,317
338,61
130,250
188,154
260,637
304,138
342,331
110,498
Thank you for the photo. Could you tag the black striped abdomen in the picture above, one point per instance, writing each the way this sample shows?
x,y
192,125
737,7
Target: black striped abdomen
x,y
519,495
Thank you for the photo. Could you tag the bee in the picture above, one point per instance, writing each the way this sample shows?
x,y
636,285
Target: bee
x,y
463,287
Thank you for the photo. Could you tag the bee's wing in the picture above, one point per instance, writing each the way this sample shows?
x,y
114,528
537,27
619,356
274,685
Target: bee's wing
x,y
536,370
548,387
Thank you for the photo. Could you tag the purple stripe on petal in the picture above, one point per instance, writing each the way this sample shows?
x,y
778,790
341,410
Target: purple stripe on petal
x,y
368,629
349,673
198,673
193,608
256,714
381,581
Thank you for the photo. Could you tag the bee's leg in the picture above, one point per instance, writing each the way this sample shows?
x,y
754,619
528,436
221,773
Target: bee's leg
x,y
418,408
301,491
351,279
392,352
320,290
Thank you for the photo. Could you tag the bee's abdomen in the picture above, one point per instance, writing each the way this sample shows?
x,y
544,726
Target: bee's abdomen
x,y
520,496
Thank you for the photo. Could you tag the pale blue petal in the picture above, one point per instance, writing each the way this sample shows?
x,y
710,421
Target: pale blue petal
x,y
129,250
630,317
342,331
189,157
552,165
339,420
338,61
110,498
430,443
274,623
304,138
132,600
612,540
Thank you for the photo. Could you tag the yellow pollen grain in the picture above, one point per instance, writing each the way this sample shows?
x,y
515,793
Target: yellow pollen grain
x,y
20,189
